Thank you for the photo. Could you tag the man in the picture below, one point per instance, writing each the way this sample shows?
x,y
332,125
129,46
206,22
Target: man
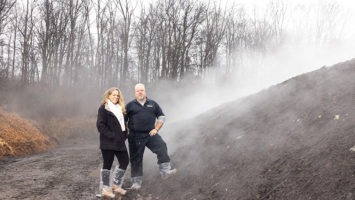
x,y
145,119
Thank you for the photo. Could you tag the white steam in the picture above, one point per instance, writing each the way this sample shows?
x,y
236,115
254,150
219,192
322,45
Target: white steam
x,y
187,100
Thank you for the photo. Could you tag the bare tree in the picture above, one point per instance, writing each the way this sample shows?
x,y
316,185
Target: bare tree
x,y
81,48
90,56
145,35
126,10
177,27
211,36
75,11
46,33
278,10
107,44
235,37
14,29
193,18
329,22
113,47
5,17
26,29
59,46
5,8
172,38
100,24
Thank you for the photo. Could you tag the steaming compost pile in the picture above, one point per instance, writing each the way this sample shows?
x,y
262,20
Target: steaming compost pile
x,y
295,140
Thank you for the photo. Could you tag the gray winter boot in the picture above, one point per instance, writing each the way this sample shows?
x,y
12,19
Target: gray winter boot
x,y
166,170
106,191
137,183
118,181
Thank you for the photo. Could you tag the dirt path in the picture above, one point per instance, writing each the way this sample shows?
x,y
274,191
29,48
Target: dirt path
x,y
67,172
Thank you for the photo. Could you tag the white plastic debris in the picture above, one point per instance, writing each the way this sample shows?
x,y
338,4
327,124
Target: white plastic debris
x,y
336,117
240,137
352,149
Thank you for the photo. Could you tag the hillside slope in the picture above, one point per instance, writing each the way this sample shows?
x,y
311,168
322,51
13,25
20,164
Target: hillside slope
x,y
292,141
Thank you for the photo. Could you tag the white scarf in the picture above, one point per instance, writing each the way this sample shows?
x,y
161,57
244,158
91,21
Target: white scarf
x,y
117,111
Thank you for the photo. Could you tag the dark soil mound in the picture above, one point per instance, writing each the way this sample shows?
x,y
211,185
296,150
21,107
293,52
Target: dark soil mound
x,y
292,141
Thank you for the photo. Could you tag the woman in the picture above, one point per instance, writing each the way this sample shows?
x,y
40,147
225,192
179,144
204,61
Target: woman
x,y
110,123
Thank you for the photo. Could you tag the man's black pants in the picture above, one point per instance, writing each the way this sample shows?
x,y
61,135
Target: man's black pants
x,y
137,143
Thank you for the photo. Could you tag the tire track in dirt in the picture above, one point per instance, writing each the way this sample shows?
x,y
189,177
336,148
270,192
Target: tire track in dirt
x,y
67,172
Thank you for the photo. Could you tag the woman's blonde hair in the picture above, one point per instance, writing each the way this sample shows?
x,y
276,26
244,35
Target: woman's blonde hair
x,y
120,98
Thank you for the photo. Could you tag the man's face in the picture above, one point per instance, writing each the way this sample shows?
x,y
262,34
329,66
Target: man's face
x,y
140,93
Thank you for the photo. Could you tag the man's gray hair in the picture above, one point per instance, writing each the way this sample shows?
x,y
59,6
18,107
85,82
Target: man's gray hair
x,y
139,85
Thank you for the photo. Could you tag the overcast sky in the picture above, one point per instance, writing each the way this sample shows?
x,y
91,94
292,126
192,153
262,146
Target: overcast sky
x,y
348,6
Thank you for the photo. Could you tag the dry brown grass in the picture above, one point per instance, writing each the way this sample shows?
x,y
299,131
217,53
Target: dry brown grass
x,y
62,129
19,136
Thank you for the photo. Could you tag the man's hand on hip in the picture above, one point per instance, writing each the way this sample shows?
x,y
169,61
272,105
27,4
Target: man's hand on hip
x,y
153,132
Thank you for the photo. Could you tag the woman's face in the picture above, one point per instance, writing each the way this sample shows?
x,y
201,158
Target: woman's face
x,y
114,97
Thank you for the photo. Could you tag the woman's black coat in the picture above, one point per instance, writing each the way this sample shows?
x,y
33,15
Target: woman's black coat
x,y
111,135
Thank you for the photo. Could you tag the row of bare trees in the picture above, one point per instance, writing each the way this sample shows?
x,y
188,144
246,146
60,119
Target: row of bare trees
x,y
102,43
